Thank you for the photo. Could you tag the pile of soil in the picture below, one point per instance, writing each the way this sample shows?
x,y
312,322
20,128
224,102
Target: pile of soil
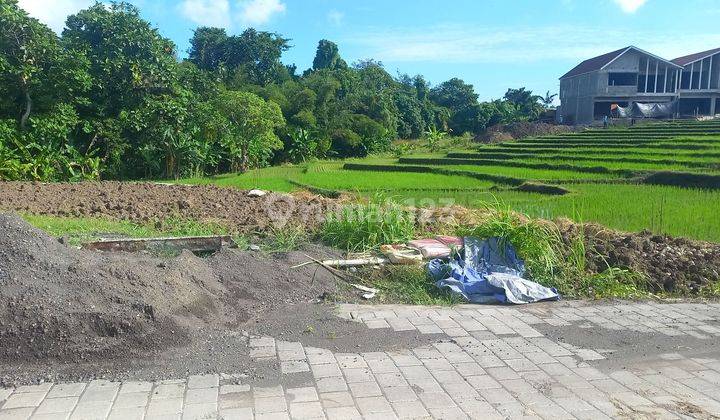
x,y
670,264
69,304
148,202
518,130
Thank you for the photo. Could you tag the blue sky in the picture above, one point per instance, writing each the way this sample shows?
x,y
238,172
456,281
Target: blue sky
x,y
493,44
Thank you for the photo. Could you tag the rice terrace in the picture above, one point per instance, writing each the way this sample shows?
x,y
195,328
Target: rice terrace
x,y
210,210
663,177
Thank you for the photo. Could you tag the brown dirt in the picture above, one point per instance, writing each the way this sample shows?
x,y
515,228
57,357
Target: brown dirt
x,y
148,202
518,130
670,264
70,304
68,314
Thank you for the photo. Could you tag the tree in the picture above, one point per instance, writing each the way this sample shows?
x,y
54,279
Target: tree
x,y
328,56
128,58
35,72
250,122
462,101
548,100
525,101
257,55
208,48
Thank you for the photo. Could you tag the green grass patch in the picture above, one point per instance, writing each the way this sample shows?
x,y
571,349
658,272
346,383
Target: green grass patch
x,y
364,226
532,174
79,230
408,285
286,238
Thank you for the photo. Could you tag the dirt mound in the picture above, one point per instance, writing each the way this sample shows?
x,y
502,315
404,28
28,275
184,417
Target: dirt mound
x,y
148,202
670,264
70,304
505,132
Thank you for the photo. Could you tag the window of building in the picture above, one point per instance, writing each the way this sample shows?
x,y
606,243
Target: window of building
x,y
622,79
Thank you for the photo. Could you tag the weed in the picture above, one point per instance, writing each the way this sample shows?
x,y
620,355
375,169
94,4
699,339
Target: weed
x,y
409,285
614,282
242,242
537,242
712,290
361,227
287,238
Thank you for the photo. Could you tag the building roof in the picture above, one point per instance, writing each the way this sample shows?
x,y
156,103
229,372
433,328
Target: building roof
x,y
601,61
595,63
685,60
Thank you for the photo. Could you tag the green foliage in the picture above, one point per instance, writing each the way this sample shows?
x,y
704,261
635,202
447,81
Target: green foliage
x,y
249,124
142,114
286,238
433,138
408,285
527,104
44,151
537,242
128,58
302,146
252,57
365,226
82,229
347,143
613,282
328,57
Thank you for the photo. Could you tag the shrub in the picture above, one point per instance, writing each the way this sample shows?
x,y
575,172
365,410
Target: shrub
x,y
362,227
347,143
537,242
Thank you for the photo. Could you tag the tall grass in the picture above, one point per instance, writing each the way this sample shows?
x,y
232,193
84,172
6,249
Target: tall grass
x,y
361,227
536,241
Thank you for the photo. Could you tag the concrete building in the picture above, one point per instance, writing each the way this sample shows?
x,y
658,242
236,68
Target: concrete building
x,y
632,76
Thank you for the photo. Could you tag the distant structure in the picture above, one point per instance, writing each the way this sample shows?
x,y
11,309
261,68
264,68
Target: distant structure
x,y
631,82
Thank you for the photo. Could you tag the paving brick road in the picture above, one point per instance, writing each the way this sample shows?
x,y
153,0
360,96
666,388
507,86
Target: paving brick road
x,y
561,360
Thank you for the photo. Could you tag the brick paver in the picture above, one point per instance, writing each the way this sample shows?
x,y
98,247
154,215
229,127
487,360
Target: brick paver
x,y
492,363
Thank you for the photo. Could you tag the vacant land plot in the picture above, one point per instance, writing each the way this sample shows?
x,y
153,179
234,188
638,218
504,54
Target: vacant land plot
x,y
605,171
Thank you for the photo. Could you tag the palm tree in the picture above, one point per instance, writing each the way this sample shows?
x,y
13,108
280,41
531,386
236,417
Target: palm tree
x,y
548,100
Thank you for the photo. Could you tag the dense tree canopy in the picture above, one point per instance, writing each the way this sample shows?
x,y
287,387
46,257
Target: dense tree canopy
x,y
109,98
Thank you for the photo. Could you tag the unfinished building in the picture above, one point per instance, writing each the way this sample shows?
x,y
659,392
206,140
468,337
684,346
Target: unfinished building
x,y
630,78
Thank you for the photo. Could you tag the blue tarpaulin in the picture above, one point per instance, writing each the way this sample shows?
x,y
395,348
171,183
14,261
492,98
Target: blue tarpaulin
x,y
488,271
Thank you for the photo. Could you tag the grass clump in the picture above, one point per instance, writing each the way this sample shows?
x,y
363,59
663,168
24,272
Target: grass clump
x,y
614,283
286,238
409,285
536,241
361,227
556,260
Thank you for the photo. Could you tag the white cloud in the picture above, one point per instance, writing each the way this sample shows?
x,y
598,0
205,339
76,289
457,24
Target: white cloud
x,y
335,17
630,6
207,12
257,12
468,44
53,13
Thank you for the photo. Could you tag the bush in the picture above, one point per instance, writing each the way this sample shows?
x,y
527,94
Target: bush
x,y
347,143
363,227
537,242
375,138
44,152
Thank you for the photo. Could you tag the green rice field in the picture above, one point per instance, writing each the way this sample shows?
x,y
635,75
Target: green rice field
x,y
608,175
